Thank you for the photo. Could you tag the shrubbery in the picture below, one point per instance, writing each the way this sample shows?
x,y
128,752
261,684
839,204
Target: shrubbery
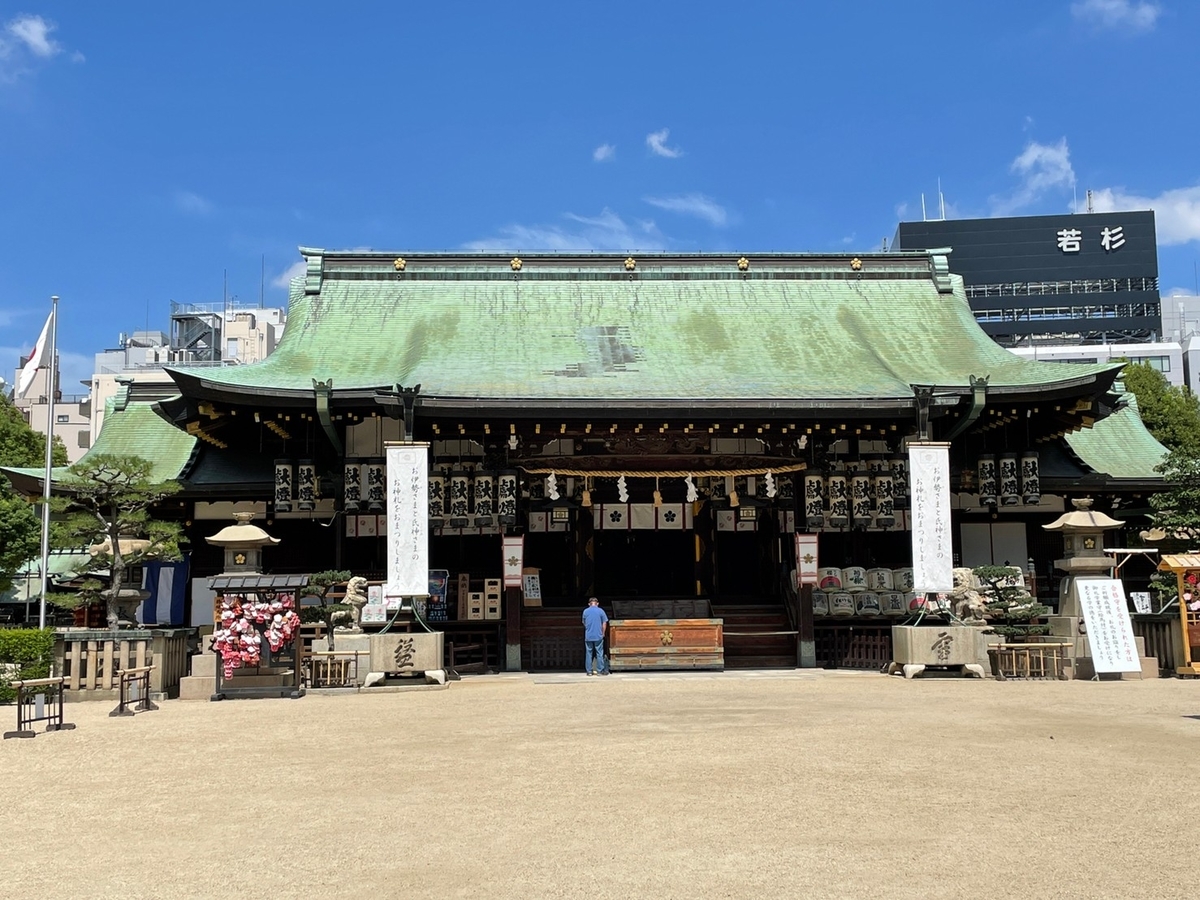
x,y
24,653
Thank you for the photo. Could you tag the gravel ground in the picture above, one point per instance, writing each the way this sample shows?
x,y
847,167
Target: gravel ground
x,y
668,785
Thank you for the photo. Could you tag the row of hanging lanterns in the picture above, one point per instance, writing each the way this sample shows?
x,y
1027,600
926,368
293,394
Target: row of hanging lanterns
x,y
295,484
862,493
461,497
1011,481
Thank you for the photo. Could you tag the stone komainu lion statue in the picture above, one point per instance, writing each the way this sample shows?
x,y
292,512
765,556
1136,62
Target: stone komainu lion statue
x,y
356,599
968,604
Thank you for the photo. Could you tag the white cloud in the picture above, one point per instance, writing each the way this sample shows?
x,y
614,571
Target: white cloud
x,y
1139,16
604,153
33,32
1176,211
192,204
606,231
657,142
78,57
693,204
284,278
1042,168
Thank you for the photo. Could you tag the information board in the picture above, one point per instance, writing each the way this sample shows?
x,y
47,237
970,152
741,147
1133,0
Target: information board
x,y
1109,629
933,555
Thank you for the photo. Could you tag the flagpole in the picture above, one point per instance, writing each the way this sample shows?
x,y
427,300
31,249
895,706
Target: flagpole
x,y
49,461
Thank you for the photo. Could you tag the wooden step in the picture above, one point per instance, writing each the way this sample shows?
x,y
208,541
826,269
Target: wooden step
x,y
760,662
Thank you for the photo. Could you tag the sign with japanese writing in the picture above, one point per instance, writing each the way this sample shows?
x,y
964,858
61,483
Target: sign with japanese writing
x,y
408,520
806,559
513,553
1109,630
1141,602
531,586
933,555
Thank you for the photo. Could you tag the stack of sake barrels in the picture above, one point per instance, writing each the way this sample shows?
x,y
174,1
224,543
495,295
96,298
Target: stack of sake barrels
x,y
857,591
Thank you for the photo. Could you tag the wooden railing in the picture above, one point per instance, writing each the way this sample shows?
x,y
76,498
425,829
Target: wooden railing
x,y
39,700
91,661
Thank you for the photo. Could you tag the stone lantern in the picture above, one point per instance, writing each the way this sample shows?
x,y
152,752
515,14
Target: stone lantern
x,y
1083,550
243,544
124,599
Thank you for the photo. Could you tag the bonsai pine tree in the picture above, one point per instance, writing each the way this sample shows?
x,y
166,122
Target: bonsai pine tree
x,y
1010,607
320,584
107,500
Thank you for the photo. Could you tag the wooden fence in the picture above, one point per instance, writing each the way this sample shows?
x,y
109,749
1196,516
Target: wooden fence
x,y
91,660
1163,639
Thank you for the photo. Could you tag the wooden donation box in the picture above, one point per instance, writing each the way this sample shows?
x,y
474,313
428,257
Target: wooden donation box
x,y
664,634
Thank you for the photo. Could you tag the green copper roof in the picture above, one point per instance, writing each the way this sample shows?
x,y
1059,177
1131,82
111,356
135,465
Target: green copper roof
x,y
134,430
692,329
1119,444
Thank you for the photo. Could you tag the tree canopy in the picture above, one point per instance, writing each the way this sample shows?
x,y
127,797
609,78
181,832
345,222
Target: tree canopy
x,y
1170,412
107,500
20,528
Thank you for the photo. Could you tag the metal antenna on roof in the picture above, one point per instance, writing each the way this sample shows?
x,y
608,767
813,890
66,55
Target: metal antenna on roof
x,y
941,201
923,219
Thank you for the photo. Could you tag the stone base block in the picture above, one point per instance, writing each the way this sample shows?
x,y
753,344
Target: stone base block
x,y
204,665
406,654
197,687
1083,670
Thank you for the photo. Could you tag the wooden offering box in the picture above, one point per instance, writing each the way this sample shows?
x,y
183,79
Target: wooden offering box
x,y
665,644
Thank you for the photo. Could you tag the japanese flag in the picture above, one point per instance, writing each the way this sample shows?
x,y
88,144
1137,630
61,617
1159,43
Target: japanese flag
x,y
25,376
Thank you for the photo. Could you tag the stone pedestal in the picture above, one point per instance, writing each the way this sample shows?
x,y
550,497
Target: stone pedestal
x,y
916,647
202,681
418,653
349,643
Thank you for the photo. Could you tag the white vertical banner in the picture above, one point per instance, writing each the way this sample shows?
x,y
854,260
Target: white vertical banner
x,y
512,559
1109,629
408,519
932,551
807,561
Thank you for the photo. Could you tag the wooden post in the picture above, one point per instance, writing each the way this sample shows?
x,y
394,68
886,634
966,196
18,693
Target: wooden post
x,y
512,630
807,648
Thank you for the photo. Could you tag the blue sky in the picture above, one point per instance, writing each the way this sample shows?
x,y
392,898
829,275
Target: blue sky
x,y
145,149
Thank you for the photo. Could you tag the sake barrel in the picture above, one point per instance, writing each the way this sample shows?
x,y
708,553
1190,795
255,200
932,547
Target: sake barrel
x,y
914,601
854,578
820,601
891,603
902,579
829,578
867,603
841,603
880,579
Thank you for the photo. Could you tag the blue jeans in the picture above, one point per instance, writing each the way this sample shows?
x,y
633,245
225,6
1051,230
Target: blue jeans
x,y
596,648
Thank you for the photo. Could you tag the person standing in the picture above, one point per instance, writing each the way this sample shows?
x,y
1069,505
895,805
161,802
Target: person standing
x,y
595,627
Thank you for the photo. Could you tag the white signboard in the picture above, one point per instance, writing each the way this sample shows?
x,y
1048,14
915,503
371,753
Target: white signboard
x,y
532,587
1141,601
932,551
1109,631
374,614
408,520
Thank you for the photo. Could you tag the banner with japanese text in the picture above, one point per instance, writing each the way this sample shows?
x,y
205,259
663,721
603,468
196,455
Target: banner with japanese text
x,y
408,520
932,550
806,559
513,559
1109,629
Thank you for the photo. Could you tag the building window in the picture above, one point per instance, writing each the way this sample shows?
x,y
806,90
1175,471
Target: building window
x,y
1159,363
231,348
62,420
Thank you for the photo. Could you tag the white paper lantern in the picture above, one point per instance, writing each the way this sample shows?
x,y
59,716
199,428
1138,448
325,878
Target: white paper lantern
x,y
437,496
284,485
376,485
885,502
1031,478
506,497
899,469
352,483
485,497
306,485
986,470
839,496
860,499
459,498
814,503
1010,486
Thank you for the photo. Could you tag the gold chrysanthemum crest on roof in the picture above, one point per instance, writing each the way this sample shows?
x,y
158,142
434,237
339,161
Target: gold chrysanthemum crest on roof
x,y
743,264
399,263
630,264
515,263
856,264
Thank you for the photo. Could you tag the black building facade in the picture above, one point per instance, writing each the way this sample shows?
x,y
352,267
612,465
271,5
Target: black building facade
x,y
1086,278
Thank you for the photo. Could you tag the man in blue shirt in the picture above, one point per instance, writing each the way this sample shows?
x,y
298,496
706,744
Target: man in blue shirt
x,y
595,626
